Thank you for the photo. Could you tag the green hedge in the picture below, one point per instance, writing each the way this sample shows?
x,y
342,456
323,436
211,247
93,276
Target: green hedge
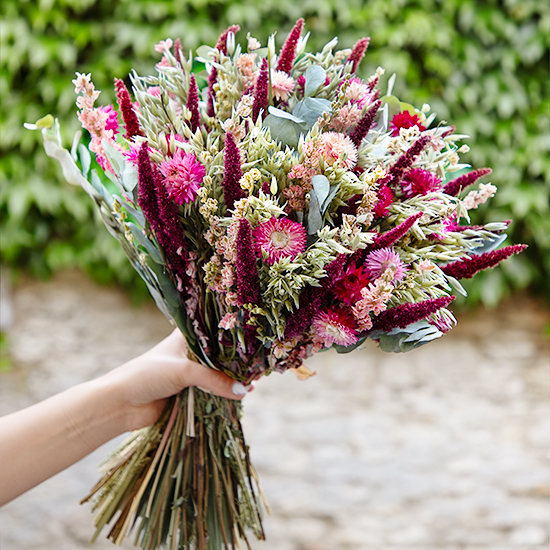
x,y
482,65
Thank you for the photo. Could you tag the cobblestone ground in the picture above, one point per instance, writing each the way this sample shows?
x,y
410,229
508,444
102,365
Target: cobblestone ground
x,y
444,448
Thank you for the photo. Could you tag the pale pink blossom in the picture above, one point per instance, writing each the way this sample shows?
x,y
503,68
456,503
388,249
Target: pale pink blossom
x,y
338,147
228,321
282,85
164,45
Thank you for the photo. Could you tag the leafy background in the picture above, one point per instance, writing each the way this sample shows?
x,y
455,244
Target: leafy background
x,y
482,65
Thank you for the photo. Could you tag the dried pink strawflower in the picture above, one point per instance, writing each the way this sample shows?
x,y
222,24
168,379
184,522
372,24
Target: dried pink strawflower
x,y
183,175
282,85
334,326
385,260
279,238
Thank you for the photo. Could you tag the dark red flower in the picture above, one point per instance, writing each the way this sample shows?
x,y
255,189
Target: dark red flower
x,y
348,287
288,51
404,120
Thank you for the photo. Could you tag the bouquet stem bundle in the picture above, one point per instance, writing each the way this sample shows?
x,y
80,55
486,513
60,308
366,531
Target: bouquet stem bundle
x,y
187,479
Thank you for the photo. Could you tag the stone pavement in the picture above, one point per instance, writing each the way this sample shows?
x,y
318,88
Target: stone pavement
x,y
444,448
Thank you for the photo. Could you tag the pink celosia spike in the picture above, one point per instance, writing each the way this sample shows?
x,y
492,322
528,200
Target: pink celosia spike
x,y
232,173
193,104
454,187
261,92
390,237
246,271
365,124
221,44
127,110
288,51
147,195
405,314
311,300
405,161
466,268
358,53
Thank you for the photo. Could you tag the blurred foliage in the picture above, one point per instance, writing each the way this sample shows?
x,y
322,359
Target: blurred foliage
x,y
482,65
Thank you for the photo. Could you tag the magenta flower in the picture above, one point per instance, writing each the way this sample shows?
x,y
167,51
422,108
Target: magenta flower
x,y
385,198
193,104
404,120
288,51
232,172
419,182
358,52
279,238
112,118
348,287
393,235
334,326
405,314
381,260
466,268
365,124
246,272
183,176
261,91
127,110
454,187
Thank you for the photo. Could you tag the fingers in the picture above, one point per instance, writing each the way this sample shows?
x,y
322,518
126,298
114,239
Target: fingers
x,y
214,381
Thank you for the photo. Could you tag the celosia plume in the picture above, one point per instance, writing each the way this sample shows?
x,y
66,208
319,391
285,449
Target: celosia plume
x,y
127,110
405,314
288,51
147,194
193,104
466,268
261,91
221,44
246,272
358,52
365,124
405,161
454,187
393,235
232,172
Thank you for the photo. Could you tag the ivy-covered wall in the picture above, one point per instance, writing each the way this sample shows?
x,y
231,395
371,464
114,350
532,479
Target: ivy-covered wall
x,y
481,64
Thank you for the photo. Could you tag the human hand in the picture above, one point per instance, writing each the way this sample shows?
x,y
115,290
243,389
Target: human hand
x,y
143,385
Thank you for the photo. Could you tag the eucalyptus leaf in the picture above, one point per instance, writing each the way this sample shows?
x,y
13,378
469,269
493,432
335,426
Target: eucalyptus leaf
x,y
283,129
279,113
146,243
169,291
331,195
321,188
314,218
85,159
490,244
101,189
315,77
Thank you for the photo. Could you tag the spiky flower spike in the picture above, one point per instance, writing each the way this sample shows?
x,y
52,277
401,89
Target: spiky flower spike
x,y
365,124
261,92
405,161
147,194
193,104
390,237
406,314
358,53
246,271
466,268
221,44
178,50
232,173
454,187
288,51
127,110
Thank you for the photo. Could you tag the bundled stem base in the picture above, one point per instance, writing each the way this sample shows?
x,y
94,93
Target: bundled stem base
x,y
182,491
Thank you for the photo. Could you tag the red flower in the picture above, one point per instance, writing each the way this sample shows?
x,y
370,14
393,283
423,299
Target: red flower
x,y
404,120
348,287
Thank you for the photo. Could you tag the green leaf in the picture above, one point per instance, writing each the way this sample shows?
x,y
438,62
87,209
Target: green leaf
x,y
315,77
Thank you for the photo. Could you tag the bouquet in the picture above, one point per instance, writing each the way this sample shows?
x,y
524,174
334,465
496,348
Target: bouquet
x,y
276,205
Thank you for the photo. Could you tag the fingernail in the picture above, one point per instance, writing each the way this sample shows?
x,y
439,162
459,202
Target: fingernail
x,y
238,389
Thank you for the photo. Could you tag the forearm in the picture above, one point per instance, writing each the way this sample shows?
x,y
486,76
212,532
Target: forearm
x,y
42,440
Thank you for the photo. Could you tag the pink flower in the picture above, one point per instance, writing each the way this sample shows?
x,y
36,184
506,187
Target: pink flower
x,y
279,238
378,261
164,45
112,118
348,287
358,92
336,146
334,326
404,120
419,182
282,85
184,175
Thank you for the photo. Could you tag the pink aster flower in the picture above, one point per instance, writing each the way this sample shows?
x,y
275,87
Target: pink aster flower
x,y
378,261
404,120
184,175
282,85
334,326
348,287
337,146
279,238
419,182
